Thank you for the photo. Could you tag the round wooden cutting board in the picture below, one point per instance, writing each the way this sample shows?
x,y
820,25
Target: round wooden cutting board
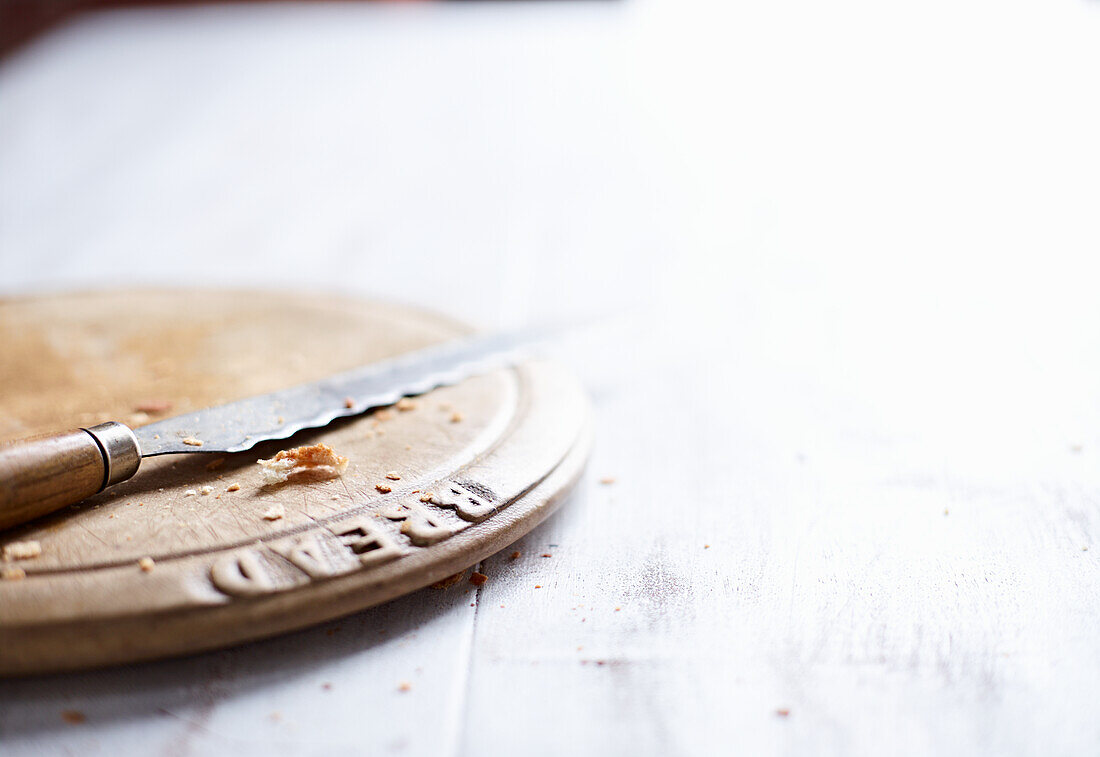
x,y
495,453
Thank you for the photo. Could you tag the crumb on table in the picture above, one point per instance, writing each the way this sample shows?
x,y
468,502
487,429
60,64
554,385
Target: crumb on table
x,y
607,480
478,579
191,441
233,488
22,550
515,555
12,574
383,488
205,490
457,417
393,476
405,405
404,686
146,564
188,493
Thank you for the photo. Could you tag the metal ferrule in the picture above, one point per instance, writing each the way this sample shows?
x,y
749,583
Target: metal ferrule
x,y
121,453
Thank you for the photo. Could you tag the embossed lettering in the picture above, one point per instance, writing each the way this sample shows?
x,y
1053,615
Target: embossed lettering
x,y
253,572
367,540
469,504
423,527
319,554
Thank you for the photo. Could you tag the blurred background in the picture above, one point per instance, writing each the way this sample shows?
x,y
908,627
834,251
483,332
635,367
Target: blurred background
x,y
856,245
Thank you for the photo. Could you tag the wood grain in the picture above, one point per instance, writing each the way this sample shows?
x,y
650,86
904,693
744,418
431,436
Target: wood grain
x,y
185,556
41,474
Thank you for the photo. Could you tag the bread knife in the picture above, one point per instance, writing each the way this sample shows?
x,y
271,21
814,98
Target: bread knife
x,y
45,473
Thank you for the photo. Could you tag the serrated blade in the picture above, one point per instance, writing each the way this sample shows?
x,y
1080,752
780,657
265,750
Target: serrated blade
x,y
240,425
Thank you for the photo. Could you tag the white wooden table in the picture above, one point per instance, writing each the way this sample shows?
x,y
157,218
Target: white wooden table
x,y
854,412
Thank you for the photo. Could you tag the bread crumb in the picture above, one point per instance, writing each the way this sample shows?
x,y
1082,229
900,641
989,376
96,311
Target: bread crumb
x,y
477,579
22,550
404,686
275,512
188,493
383,415
317,462
146,564
233,488
607,480
427,497
449,580
153,406
405,405
206,490
706,546
408,447
215,463
546,554
349,403
73,717
191,441
514,556
392,476
12,574
782,712
538,586
456,417
383,488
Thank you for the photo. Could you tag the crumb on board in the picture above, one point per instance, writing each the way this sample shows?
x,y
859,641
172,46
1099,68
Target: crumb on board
x,y
189,493
478,579
607,480
317,462
383,488
326,686
205,490
12,574
426,497
782,712
275,512
546,554
515,555
146,564
449,581
22,550
73,717
349,403
393,476
706,546
405,405
215,463
408,447
153,406
233,488
404,686
457,417
191,441
538,586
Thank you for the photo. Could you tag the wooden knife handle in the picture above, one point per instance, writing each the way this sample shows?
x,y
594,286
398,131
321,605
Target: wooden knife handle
x,y
45,473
